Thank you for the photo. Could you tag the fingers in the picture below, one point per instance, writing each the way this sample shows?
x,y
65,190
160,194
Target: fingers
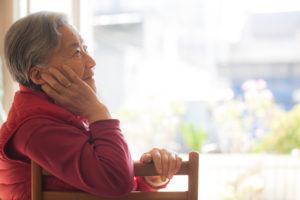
x,y
156,157
60,77
146,158
166,163
172,166
50,91
59,80
51,81
72,75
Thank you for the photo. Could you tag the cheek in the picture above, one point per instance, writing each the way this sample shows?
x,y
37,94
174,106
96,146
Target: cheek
x,y
77,67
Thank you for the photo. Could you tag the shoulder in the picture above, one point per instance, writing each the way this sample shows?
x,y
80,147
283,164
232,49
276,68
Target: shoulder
x,y
39,132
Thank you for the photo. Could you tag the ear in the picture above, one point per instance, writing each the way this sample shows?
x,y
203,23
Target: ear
x,y
35,75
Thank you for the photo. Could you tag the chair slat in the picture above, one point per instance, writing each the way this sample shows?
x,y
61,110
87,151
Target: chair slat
x,y
131,196
141,169
36,181
193,176
189,168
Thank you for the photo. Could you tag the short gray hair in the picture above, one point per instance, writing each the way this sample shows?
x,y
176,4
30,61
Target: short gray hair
x,y
30,41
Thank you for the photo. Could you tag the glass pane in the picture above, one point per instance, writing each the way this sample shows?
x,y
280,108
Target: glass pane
x,y
197,64
63,6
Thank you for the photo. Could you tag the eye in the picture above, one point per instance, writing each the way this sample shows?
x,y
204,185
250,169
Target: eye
x,y
77,52
85,48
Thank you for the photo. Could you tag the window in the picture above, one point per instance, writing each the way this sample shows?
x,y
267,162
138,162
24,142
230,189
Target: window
x,y
167,67
184,58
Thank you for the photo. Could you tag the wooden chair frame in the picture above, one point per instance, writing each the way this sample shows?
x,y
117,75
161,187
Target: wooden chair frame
x,y
189,168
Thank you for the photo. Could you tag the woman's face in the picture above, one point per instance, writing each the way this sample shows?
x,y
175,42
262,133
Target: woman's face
x,y
73,52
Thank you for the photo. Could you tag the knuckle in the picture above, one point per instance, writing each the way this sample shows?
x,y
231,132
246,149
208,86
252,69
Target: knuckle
x,y
55,85
66,83
157,154
166,156
164,150
155,149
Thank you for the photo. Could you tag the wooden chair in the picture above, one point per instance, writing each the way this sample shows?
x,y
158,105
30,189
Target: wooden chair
x,y
189,168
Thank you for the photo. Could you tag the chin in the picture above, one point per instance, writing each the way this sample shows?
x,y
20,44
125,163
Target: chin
x,y
94,88
91,83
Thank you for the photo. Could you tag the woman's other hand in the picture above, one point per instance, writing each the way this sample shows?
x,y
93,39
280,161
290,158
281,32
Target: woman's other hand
x,y
165,162
70,92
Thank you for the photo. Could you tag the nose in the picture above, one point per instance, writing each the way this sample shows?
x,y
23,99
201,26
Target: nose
x,y
90,62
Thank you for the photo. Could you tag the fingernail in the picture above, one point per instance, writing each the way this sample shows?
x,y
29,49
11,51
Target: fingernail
x,y
163,178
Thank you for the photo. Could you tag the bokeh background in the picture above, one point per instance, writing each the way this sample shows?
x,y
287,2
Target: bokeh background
x,y
221,77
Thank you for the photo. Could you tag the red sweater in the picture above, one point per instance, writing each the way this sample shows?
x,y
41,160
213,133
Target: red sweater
x,y
92,158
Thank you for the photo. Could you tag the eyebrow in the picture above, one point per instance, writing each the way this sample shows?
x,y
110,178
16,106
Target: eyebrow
x,y
73,45
77,44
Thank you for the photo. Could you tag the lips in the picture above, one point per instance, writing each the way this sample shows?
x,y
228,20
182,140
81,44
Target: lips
x,y
89,77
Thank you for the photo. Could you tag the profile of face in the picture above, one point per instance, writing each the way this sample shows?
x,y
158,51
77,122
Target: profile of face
x,y
73,52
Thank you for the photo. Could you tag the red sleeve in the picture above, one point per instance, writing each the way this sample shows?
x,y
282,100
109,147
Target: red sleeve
x,y
142,185
97,161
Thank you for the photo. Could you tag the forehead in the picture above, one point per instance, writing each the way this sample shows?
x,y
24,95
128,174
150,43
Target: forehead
x,y
69,36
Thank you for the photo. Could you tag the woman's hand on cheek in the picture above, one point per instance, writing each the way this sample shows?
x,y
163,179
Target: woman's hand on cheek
x,y
165,162
73,94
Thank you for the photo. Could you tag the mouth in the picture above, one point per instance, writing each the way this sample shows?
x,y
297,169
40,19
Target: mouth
x,y
90,77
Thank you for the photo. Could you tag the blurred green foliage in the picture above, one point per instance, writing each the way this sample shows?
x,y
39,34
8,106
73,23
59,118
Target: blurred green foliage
x,y
194,138
252,122
255,123
243,121
284,135
152,123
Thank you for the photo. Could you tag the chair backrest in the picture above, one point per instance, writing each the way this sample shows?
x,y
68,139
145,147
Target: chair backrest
x,y
189,168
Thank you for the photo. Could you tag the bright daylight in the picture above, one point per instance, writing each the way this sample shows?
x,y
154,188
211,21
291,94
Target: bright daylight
x,y
216,77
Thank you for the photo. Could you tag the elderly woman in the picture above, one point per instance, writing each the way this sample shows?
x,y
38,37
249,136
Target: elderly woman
x,y
57,120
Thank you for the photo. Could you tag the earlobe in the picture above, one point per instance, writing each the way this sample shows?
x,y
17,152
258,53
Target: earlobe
x,y
35,75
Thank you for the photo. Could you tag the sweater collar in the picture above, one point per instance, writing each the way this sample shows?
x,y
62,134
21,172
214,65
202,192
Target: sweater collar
x,y
24,89
43,95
